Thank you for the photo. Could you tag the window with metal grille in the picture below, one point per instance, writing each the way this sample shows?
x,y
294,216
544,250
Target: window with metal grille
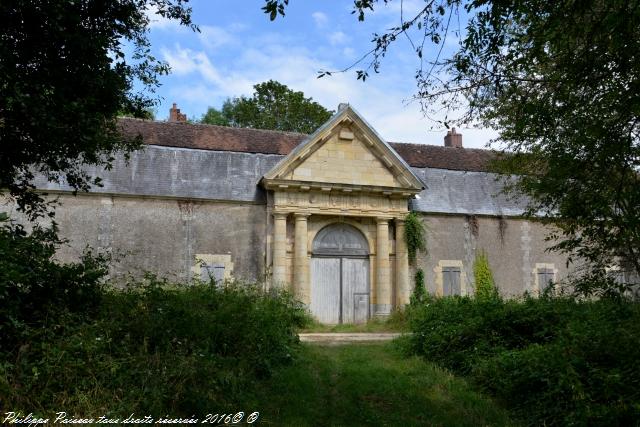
x,y
545,277
450,281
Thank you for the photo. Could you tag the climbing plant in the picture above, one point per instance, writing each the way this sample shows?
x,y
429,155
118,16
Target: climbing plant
x,y
419,292
414,235
485,285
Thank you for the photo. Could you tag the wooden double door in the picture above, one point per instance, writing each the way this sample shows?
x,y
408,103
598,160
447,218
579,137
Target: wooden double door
x,y
340,289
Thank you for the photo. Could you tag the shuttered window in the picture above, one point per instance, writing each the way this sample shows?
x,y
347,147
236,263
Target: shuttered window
x,y
450,281
545,277
212,271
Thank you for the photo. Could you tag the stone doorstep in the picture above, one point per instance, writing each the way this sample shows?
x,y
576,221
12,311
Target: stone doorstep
x,y
346,337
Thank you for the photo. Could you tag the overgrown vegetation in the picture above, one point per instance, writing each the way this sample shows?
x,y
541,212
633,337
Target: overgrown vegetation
x,y
369,385
156,348
69,342
551,361
419,291
35,288
485,285
414,235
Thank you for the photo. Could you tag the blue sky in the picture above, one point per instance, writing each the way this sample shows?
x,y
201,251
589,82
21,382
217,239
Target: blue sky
x,y
238,47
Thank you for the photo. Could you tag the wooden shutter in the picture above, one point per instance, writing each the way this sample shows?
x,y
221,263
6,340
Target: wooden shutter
x,y
450,281
212,271
545,277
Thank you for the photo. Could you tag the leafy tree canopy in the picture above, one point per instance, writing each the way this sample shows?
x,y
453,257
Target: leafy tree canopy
x,y
272,106
560,81
64,78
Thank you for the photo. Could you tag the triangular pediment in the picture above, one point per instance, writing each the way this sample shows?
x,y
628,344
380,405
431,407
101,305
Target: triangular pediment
x,y
345,151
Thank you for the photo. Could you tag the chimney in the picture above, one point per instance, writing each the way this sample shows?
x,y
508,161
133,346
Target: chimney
x,y
175,115
453,139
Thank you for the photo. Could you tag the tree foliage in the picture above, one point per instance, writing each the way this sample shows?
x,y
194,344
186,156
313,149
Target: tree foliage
x,y
272,106
560,81
64,77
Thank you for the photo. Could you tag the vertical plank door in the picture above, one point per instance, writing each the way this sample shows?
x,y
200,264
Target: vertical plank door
x,y
355,290
325,289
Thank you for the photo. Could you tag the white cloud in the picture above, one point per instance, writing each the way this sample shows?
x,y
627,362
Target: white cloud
x,y
320,19
338,37
185,61
214,37
349,52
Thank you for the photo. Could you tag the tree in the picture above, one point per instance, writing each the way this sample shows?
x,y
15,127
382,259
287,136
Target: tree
x,y
215,117
272,106
560,81
64,78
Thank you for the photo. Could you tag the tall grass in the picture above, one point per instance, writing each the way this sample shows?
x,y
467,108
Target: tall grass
x,y
155,348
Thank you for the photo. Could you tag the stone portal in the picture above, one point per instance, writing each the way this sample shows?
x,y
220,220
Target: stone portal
x,y
340,276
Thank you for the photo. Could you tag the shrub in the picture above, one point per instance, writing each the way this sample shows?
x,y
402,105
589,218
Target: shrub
x,y
552,361
155,348
588,375
485,285
34,286
456,331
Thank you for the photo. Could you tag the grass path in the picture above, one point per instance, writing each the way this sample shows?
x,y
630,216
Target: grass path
x,y
368,384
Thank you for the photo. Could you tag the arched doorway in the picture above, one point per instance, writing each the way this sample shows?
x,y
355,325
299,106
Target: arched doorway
x,y
340,275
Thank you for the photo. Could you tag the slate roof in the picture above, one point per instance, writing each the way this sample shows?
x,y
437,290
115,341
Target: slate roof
x,y
242,140
180,173
464,192
218,163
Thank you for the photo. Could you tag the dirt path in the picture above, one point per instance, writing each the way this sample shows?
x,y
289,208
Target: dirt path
x,y
368,385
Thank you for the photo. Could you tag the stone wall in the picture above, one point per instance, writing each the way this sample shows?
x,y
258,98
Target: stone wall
x,y
164,236
515,247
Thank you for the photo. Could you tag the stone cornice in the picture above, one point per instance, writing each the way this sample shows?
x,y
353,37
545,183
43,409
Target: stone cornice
x,y
294,185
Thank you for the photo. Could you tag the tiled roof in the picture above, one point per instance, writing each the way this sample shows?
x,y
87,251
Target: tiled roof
x,y
243,140
441,157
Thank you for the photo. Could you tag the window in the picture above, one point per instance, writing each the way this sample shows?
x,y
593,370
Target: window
x,y
212,271
544,275
451,281
451,278
212,266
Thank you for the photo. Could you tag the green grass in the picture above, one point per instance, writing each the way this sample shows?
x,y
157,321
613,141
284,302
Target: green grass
x,y
397,322
368,384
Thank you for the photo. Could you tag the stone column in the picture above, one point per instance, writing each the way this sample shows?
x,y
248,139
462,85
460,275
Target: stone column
x,y
279,250
403,290
383,276
300,260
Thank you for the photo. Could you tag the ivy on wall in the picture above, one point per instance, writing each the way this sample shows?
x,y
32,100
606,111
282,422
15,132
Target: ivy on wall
x,y
414,235
420,291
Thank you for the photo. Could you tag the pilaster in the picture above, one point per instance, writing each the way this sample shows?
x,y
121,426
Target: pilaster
x,y
301,260
279,250
403,290
383,276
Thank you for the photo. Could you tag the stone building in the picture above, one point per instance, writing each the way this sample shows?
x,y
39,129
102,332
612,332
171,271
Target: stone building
x,y
321,215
